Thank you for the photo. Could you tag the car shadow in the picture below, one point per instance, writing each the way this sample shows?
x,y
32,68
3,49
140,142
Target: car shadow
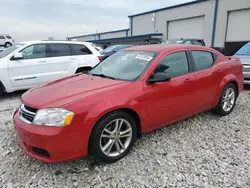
x,y
12,95
247,87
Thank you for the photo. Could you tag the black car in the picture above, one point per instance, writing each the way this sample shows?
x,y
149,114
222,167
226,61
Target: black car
x,y
191,41
185,41
113,49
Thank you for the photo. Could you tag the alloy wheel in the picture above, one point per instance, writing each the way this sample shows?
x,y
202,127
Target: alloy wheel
x,y
228,99
116,137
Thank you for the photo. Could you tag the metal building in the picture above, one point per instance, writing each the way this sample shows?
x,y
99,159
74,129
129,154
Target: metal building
x,y
221,23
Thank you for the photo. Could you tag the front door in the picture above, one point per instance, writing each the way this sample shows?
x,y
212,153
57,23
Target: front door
x,y
169,101
32,70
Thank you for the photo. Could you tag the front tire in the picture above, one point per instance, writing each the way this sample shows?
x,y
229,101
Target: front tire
x,y
7,44
227,100
113,137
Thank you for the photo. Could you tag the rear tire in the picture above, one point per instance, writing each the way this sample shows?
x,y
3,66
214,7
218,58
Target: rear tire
x,y
113,137
227,100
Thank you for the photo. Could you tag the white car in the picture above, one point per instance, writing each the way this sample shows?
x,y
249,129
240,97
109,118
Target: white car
x,y
29,64
6,40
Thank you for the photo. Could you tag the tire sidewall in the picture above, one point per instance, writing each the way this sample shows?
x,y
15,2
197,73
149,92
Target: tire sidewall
x,y
98,129
220,103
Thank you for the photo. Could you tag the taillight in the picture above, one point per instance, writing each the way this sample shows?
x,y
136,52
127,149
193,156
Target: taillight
x,y
100,58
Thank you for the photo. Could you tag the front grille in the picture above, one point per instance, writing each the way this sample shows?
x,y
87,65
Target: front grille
x,y
27,114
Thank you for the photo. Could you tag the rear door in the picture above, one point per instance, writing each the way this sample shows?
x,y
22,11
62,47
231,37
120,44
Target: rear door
x,y
62,62
32,70
87,55
208,77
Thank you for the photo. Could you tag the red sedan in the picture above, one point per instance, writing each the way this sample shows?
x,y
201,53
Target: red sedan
x,y
134,91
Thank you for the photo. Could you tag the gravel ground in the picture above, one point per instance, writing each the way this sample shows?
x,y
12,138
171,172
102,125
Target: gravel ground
x,y
202,151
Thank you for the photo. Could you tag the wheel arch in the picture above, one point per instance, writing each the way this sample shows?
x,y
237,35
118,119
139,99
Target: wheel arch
x,y
2,88
130,111
227,80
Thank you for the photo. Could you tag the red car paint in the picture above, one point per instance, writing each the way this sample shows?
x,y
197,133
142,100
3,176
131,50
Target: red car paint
x,y
91,97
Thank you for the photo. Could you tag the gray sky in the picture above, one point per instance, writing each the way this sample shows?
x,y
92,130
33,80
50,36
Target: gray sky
x,y
40,19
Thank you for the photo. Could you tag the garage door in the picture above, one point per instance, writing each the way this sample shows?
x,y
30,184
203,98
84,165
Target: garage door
x,y
238,26
186,28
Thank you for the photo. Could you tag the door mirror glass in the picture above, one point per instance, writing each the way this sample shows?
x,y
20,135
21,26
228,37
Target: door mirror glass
x,y
17,56
159,77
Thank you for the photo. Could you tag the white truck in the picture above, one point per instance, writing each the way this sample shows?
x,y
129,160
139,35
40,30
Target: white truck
x,y
29,64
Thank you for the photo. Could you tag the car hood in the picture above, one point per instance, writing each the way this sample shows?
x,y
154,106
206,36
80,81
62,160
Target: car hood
x,y
245,59
67,90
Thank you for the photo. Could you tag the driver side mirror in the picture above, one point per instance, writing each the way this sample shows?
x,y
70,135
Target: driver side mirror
x,y
159,77
17,56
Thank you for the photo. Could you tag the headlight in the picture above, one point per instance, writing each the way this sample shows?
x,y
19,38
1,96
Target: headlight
x,y
53,117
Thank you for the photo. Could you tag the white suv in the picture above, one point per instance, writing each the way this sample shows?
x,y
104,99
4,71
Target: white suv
x,y
6,40
29,64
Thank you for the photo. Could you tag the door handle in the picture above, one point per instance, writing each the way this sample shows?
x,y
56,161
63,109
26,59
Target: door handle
x,y
73,58
43,61
188,80
220,70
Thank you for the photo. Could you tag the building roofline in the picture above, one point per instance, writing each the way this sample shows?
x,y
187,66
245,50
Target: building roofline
x,y
166,8
145,36
93,34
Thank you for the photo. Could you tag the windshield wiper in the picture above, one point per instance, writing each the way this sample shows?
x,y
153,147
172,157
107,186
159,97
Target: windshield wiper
x,y
103,76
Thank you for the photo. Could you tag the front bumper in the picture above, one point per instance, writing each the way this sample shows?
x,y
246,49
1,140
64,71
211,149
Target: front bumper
x,y
50,144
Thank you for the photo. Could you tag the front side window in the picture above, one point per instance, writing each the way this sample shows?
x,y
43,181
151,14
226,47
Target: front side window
x,y
124,65
174,65
202,60
34,51
80,49
57,50
8,37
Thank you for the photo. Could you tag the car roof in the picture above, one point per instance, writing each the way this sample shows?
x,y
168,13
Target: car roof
x,y
55,41
164,47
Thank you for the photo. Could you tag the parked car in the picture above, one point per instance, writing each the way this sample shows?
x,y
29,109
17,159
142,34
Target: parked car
x,y
185,41
200,42
113,49
134,91
244,55
6,40
29,64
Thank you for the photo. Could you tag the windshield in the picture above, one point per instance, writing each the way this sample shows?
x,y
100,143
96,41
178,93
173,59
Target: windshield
x,y
10,50
245,50
124,65
173,42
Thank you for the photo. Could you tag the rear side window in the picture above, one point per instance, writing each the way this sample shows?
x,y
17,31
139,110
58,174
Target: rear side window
x,y
8,37
57,50
80,49
215,56
2,37
202,60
